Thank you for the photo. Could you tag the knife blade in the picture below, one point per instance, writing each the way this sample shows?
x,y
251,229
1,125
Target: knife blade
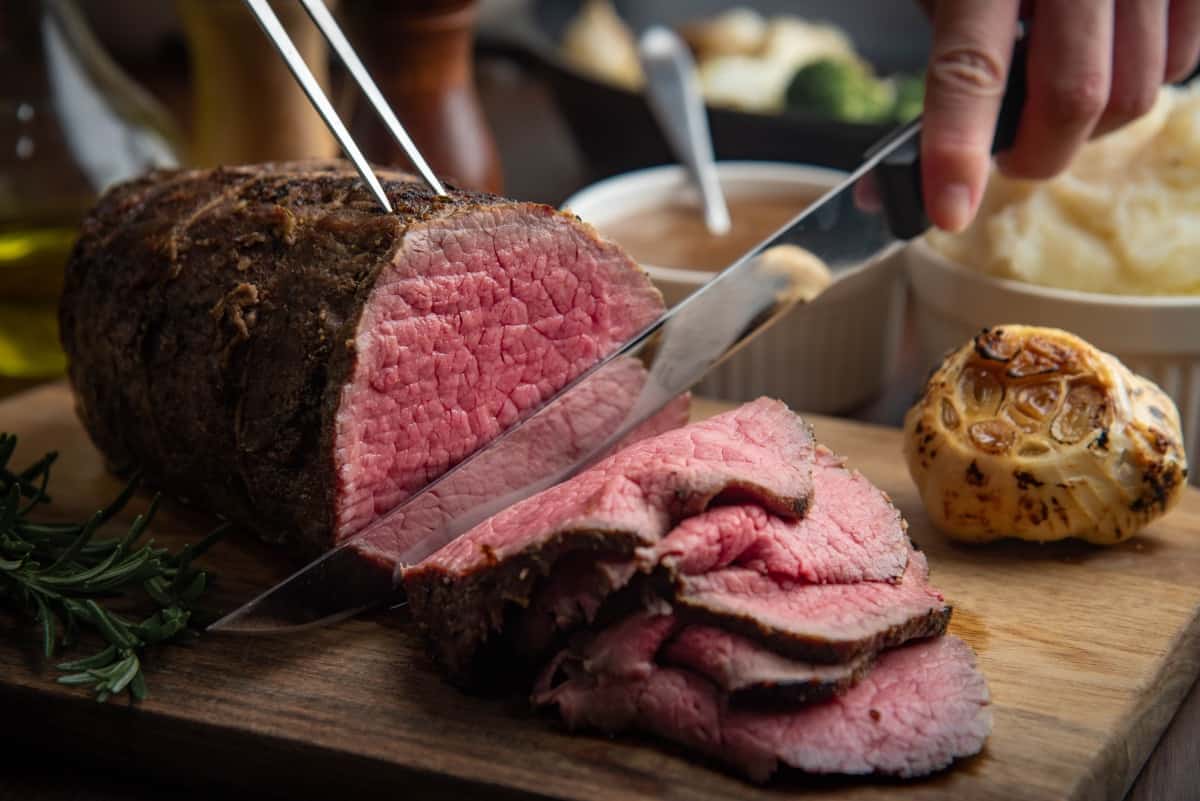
x,y
854,228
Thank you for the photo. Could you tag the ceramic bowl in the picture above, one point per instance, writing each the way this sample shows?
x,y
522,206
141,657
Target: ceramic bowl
x,y
830,356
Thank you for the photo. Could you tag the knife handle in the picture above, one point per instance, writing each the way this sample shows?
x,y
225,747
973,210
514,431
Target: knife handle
x,y
899,175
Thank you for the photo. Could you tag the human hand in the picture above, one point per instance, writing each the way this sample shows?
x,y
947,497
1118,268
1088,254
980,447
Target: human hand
x,y
1093,66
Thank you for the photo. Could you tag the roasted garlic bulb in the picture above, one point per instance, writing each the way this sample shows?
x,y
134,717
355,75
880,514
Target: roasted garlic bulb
x,y
1034,433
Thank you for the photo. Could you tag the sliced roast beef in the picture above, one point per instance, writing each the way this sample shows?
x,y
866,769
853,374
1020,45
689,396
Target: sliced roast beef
x,y
625,650
460,596
737,665
266,341
747,669
569,598
921,707
851,532
816,622
789,623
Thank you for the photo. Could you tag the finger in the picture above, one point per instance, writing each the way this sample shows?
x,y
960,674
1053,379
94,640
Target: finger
x,y
1183,39
1070,47
972,44
1139,59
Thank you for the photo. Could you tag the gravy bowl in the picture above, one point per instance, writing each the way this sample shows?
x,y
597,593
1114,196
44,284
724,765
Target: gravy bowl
x,y
832,355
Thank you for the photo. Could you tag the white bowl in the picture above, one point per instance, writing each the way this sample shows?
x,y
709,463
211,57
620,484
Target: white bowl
x,y
831,355
1156,336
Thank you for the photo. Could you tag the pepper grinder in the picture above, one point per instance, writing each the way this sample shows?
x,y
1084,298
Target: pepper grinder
x,y
420,53
247,106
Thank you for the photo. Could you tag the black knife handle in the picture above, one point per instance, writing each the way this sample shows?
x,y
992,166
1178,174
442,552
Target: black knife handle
x,y
898,177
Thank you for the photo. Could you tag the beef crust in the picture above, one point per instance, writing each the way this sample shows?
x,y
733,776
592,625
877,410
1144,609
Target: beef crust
x,y
209,317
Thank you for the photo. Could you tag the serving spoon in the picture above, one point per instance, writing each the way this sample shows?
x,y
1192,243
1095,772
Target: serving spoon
x,y
674,97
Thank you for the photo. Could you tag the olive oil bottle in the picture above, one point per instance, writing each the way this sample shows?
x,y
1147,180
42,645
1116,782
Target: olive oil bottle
x,y
31,268
71,125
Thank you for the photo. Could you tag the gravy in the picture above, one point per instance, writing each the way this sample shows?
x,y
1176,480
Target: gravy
x,y
675,235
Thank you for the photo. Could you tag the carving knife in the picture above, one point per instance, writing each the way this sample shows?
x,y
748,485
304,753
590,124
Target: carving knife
x,y
853,228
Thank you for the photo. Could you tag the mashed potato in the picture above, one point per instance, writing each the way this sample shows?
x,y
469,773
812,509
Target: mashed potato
x,y
1123,219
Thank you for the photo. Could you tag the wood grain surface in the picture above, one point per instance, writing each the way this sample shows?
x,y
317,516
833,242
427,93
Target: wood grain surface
x,y
1088,653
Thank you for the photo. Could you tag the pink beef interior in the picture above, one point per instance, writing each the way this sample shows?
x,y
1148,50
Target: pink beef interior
x,y
479,317
851,619
734,663
850,533
921,707
760,450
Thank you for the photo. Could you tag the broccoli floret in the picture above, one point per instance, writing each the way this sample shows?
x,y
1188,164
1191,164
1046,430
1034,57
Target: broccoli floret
x,y
910,97
841,89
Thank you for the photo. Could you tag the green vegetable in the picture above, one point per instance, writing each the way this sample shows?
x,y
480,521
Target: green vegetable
x,y
67,578
841,89
910,97
847,90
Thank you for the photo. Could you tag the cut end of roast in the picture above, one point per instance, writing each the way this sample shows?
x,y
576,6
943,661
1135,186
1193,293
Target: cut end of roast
x,y
475,319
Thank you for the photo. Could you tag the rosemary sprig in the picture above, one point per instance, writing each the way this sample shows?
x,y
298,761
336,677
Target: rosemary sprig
x,y
68,579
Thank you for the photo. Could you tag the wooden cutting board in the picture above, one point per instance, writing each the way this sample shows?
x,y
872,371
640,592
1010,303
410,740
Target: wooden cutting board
x,y
1087,651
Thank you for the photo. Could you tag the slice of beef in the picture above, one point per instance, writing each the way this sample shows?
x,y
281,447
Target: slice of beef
x,y
747,670
851,532
460,595
921,707
265,341
828,623
738,666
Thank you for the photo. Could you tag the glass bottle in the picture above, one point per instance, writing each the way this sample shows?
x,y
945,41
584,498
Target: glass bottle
x,y
71,125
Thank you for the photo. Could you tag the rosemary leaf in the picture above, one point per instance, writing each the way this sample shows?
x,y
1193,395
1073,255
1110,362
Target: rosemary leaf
x,y
69,555
159,591
137,687
201,547
65,577
95,660
47,621
132,667
77,678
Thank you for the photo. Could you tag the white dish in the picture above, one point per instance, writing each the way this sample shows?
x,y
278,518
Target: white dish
x,y
1156,336
832,355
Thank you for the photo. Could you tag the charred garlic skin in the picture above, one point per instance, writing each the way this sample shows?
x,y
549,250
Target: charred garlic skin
x,y
1033,433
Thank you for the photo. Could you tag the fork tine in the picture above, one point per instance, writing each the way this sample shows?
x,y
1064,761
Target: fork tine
x,y
333,34
283,43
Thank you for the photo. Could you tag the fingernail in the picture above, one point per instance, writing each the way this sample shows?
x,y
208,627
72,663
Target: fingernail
x,y
953,210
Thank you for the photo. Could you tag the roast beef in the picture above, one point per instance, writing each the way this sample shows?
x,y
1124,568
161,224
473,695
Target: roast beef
x,y
786,621
817,622
266,341
747,669
851,532
736,665
919,708
461,595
